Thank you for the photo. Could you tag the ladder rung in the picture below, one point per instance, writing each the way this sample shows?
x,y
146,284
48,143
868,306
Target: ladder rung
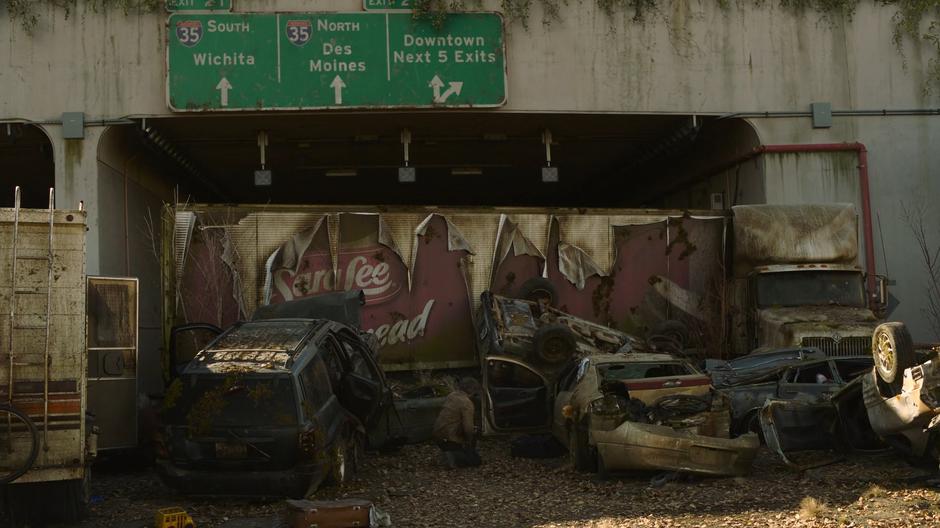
x,y
29,363
32,257
29,327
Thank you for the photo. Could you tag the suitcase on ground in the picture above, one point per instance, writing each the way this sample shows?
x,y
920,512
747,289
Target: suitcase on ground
x,y
346,513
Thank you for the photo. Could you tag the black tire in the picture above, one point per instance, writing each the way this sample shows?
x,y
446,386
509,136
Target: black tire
x,y
679,405
553,344
538,288
751,424
665,343
579,451
677,330
893,351
14,422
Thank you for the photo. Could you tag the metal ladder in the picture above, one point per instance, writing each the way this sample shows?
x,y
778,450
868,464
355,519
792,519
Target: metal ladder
x,y
20,291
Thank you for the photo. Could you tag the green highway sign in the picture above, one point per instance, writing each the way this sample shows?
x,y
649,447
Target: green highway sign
x,y
293,61
388,5
200,5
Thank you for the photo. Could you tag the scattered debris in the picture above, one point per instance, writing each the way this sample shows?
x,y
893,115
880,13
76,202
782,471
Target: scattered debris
x,y
548,493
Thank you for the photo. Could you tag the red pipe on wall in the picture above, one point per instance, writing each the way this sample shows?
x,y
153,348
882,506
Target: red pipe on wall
x,y
858,148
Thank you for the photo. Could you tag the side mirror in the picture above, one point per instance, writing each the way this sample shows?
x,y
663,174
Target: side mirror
x,y
880,295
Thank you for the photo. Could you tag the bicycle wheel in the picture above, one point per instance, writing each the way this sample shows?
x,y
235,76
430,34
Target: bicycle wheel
x,y
19,444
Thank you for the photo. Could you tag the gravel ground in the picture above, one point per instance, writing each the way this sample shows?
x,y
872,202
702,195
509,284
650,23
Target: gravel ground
x,y
417,491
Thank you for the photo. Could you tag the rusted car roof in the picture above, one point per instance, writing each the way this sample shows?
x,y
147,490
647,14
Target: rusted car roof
x,y
257,346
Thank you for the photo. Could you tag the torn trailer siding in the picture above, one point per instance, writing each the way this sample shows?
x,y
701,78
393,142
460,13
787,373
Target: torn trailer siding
x,y
423,269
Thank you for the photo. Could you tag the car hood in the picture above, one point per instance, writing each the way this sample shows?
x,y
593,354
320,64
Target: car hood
x,y
787,326
829,316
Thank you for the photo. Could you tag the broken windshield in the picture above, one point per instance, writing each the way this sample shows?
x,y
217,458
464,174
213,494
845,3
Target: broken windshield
x,y
811,288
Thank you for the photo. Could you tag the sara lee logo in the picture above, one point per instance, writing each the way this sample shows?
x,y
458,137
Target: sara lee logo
x,y
362,272
298,32
189,32
403,330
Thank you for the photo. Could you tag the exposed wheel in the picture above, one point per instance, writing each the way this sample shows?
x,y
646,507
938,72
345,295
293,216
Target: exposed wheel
x,y
751,424
19,444
665,343
671,328
579,451
893,351
538,289
553,344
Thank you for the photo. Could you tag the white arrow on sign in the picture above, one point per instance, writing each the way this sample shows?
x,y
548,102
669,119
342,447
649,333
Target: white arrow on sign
x,y
337,85
436,84
223,87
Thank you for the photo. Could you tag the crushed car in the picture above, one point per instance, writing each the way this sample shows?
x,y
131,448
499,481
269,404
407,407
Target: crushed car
x,y
745,368
895,403
541,336
793,374
602,393
642,411
272,407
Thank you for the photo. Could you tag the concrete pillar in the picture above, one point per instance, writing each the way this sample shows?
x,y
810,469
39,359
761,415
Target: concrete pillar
x,y
76,179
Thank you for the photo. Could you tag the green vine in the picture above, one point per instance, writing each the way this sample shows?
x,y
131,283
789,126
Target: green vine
x,y
909,22
918,20
25,10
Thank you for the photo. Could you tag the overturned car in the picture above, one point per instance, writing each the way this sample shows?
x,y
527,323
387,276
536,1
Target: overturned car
x,y
896,403
543,337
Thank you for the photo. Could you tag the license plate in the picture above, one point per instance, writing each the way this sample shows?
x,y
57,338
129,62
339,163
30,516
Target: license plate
x,y
229,450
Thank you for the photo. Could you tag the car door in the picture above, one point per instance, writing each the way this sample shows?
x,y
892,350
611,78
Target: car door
x,y
185,342
517,396
322,416
567,380
814,379
362,389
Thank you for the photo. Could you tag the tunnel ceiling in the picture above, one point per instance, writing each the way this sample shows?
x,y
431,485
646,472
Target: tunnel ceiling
x,y
500,155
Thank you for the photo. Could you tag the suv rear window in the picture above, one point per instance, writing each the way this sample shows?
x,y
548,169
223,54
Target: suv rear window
x,y
632,371
206,402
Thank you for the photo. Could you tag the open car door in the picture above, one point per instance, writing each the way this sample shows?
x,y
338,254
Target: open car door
x,y
517,397
363,390
185,342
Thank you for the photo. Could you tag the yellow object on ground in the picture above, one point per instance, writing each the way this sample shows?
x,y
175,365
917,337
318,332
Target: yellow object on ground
x,y
173,518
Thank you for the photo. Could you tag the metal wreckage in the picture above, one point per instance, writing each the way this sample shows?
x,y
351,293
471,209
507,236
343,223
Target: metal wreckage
x,y
607,359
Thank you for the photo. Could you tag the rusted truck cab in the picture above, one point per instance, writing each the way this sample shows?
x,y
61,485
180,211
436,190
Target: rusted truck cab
x,y
797,282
